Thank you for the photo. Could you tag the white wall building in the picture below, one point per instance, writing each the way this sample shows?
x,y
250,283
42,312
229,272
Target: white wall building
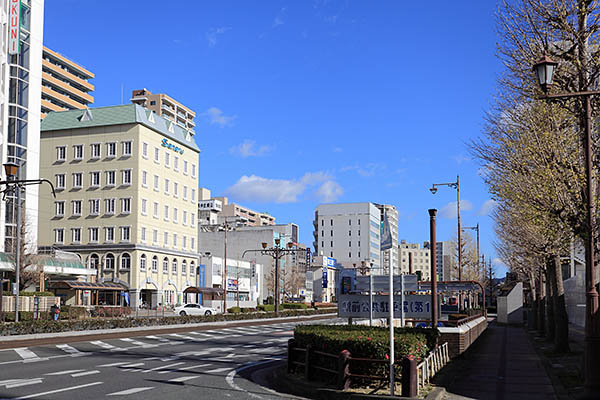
x,y
390,256
315,275
350,233
421,259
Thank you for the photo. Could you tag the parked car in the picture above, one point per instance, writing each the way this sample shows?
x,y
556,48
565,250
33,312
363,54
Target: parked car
x,y
194,309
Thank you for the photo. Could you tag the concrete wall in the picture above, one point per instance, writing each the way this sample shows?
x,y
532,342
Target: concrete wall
x,y
510,307
460,338
575,297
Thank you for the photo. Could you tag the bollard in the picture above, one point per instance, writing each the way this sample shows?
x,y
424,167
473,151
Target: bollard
x,y
409,377
307,358
344,370
290,356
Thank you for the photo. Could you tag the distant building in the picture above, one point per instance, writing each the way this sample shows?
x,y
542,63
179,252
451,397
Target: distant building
x,y
65,84
445,261
390,256
167,107
214,210
208,209
421,259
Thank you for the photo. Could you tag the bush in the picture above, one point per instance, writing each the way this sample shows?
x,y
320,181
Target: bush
x,y
39,294
234,310
73,312
266,307
248,309
294,306
110,311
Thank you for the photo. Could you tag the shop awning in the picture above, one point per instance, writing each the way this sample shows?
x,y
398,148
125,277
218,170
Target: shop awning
x,y
6,262
86,285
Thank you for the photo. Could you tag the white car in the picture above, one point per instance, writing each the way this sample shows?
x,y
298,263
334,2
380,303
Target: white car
x,y
194,309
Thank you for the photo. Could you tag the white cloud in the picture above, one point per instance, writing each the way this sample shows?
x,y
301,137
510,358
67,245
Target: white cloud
x,y
337,150
449,210
265,190
461,158
248,148
329,191
367,170
216,117
279,18
487,207
213,33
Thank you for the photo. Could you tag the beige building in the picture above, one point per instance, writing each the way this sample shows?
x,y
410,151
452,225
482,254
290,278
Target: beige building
x,y
420,259
126,184
251,217
165,106
65,84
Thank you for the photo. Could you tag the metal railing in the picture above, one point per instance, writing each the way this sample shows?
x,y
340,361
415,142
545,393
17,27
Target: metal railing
x,y
435,361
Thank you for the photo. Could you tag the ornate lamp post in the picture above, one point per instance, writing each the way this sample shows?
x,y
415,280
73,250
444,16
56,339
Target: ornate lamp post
x,y
276,252
454,185
544,70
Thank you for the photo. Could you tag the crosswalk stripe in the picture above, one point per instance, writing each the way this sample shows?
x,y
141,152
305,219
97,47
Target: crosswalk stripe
x,y
69,349
183,378
104,345
38,395
177,335
214,371
23,382
194,367
85,373
163,367
137,343
25,353
113,364
130,391
71,371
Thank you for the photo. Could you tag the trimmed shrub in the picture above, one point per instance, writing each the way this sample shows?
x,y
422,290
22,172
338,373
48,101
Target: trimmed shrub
x,y
234,310
266,307
294,306
247,309
73,312
39,294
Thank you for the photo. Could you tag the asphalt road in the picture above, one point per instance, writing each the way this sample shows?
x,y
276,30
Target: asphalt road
x,y
199,364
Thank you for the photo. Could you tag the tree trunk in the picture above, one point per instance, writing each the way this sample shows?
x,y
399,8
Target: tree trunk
x,y
541,304
534,299
550,323
561,339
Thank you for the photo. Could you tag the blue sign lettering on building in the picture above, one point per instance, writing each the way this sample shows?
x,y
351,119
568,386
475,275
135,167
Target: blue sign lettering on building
x,y
165,143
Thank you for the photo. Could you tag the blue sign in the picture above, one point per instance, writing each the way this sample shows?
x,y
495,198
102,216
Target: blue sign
x,y
324,277
165,143
386,234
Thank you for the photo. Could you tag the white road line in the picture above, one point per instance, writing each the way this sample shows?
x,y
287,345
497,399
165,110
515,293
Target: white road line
x,y
25,353
162,340
230,377
194,367
86,373
214,371
70,349
24,382
70,371
113,364
36,395
130,391
132,365
138,343
104,345
177,335
162,367
183,378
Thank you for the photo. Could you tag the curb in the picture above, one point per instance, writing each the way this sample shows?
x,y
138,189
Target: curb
x,y
436,394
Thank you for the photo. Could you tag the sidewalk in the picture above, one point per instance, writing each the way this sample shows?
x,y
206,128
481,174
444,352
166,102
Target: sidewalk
x,y
503,364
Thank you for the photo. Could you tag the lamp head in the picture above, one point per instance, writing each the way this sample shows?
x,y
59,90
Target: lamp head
x,y
290,244
277,241
544,71
433,190
11,168
264,245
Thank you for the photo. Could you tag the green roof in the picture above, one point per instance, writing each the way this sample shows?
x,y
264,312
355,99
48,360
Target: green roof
x,y
116,115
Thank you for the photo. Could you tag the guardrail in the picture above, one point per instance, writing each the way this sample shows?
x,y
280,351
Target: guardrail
x,y
434,362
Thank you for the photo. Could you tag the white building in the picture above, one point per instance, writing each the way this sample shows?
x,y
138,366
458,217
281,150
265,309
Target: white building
x,y
421,259
350,233
390,256
20,108
445,261
323,293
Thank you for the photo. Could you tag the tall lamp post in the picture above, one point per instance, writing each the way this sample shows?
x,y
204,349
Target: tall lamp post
x,y
544,70
276,252
12,170
476,228
454,185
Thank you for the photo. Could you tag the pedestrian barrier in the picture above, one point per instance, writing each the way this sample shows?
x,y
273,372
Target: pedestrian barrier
x,y
434,362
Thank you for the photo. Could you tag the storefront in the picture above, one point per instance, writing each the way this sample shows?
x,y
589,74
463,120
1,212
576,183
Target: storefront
x,y
89,294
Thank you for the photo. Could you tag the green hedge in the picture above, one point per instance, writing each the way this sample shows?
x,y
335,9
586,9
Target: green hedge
x,y
49,326
234,310
40,294
266,307
248,309
294,306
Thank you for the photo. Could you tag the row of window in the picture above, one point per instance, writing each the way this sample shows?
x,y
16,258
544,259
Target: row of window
x,y
171,240
125,263
169,160
169,214
169,187
95,151
95,181
331,233
331,222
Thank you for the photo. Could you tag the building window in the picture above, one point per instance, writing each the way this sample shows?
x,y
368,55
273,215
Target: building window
x,y
193,219
184,267
143,234
185,193
77,180
174,240
78,152
59,235
175,189
359,222
331,233
174,266
94,206
155,264
349,254
156,155
155,209
144,207
60,181
95,150
349,244
359,254
111,178
322,233
322,222
167,184
331,222
109,206
126,206
185,167
331,254
349,233
156,188
167,160
127,148
331,243
126,176
143,262
184,217
61,153
184,242
125,234
165,265
175,215
322,243
76,235
76,207
110,234
125,261
192,243
93,232
176,163
145,178
111,149
193,194
166,215
59,208
95,179
155,236
349,222
109,261
194,171
145,150
166,239
358,233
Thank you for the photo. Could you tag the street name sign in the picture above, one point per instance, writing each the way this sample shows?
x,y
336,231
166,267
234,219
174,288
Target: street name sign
x,y
357,306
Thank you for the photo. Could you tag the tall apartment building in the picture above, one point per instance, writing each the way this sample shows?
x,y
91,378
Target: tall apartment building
x,y
20,87
167,107
126,183
65,84
223,209
390,257
350,233
421,259
446,266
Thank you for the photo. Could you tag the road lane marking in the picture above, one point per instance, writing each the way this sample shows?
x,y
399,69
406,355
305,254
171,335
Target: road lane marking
x,y
86,373
194,367
105,345
130,391
183,378
23,382
26,354
230,377
138,343
36,395
70,349
70,371
177,335
216,370
162,367
113,364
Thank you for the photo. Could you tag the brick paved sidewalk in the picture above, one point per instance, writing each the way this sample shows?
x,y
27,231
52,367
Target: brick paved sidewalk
x,y
503,364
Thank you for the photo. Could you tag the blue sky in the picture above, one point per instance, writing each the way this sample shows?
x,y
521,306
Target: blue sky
x,y
303,102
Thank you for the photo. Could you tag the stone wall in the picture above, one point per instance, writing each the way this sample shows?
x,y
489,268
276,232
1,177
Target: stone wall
x,y
461,337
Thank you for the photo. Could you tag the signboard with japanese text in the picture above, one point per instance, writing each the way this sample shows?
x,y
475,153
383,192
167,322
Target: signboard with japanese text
x,y
381,283
357,306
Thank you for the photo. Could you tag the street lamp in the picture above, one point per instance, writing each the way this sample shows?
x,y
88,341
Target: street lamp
x,y
544,70
276,252
475,228
453,185
11,170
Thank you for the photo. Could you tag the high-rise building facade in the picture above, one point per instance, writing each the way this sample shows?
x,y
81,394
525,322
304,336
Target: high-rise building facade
x,y
390,257
126,198
421,259
65,84
445,261
350,233
167,107
20,87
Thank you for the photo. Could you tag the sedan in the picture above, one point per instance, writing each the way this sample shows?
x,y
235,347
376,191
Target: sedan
x,y
194,309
